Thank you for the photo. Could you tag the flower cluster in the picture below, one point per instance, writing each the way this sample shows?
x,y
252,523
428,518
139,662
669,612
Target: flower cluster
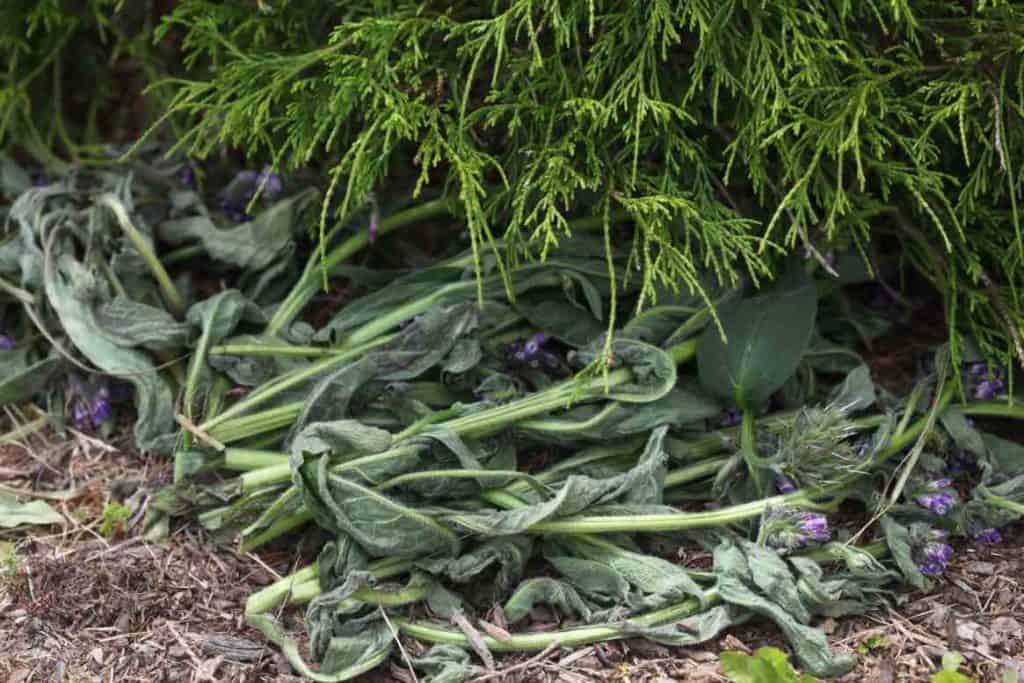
x,y
784,484
787,529
935,554
936,496
532,352
235,198
985,385
730,418
91,404
989,535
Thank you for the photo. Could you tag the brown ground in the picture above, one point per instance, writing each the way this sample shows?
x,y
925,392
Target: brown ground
x,y
78,607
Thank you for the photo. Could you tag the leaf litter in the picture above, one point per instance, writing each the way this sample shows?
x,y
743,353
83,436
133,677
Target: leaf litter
x,y
399,436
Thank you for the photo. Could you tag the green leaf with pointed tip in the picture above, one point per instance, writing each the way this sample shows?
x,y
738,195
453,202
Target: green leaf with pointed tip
x,y
766,338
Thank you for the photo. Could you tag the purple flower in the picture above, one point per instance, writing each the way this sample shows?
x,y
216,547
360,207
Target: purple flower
x,y
936,503
187,177
271,182
988,389
532,353
940,484
990,384
934,557
815,526
533,344
990,535
784,484
6,342
102,409
374,227
81,416
791,529
731,418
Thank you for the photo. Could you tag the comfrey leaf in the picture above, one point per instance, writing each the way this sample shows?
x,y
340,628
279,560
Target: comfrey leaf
x,y
655,582
252,370
510,554
545,591
654,371
606,422
897,537
765,339
129,323
754,578
380,525
252,245
67,287
445,664
641,484
693,630
417,348
357,646
856,393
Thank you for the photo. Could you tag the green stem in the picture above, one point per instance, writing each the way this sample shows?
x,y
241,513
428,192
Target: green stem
x,y
699,470
291,380
273,351
683,521
566,638
309,282
246,459
170,292
748,447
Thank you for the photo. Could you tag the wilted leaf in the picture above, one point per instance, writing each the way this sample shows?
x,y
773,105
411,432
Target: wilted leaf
x,y
14,513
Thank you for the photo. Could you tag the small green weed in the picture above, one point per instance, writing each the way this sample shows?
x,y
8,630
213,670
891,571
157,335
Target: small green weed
x,y
767,665
950,672
873,643
113,520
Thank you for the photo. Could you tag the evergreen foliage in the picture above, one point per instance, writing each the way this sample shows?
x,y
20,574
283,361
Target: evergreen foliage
x,y
729,132
70,71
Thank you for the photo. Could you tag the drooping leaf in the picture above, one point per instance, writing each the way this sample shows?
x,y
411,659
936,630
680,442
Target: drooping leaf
x,y
252,245
69,287
380,525
444,664
748,578
129,323
545,591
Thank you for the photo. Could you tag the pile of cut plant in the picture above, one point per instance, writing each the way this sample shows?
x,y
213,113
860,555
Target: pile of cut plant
x,y
492,454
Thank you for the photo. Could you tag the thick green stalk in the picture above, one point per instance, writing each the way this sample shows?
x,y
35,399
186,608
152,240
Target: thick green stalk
x,y
566,637
291,380
748,447
248,459
273,351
